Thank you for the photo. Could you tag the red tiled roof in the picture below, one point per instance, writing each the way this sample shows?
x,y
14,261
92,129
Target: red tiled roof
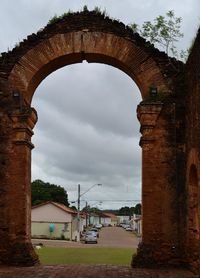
x,y
103,215
111,215
63,207
58,205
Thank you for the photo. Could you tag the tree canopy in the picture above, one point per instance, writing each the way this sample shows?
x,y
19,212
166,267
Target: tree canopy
x,y
128,211
90,209
44,191
138,209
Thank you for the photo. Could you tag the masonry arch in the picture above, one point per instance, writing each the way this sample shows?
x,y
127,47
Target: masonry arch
x,y
54,53
72,39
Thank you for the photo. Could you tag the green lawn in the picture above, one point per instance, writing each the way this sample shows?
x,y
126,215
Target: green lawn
x,y
114,256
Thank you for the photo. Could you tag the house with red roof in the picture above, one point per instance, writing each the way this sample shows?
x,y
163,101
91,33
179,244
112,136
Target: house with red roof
x,y
56,221
108,219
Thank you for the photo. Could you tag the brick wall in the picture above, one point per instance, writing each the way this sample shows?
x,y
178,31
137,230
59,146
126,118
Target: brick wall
x,y
73,39
192,208
193,96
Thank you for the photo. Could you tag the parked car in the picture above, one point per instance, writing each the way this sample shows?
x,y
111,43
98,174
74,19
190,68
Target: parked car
x,y
98,226
95,230
90,236
125,226
129,229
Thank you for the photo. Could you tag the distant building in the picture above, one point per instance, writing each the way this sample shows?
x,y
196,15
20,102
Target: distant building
x,y
105,219
136,223
110,218
94,218
123,219
54,220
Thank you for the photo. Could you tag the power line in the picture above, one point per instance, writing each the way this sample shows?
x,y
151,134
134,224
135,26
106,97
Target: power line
x,y
108,201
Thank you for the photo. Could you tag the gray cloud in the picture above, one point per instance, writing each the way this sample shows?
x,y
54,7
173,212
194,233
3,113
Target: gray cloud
x,y
97,147
85,98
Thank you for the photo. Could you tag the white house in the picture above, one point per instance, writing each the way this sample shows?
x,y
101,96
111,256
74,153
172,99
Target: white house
x,y
94,219
105,219
136,223
109,219
123,219
54,220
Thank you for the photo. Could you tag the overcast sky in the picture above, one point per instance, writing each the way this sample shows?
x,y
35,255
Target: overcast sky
x,y
87,131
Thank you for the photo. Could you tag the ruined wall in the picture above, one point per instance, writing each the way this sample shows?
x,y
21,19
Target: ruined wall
x,y
86,36
193,156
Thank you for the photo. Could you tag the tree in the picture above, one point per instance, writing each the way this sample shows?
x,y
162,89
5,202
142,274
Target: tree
x,y
138,209
44,191
90,209
163,31
128,211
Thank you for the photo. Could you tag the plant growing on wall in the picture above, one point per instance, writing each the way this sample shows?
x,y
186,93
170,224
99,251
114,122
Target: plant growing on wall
x,y
164,32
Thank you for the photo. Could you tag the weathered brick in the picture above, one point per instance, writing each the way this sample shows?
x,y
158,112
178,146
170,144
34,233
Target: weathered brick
x,y
192,207
91,37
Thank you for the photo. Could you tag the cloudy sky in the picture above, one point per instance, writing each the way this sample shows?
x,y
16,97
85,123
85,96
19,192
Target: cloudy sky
x,y
87,131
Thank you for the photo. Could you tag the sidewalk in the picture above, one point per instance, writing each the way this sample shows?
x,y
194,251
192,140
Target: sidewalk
x,y
90,271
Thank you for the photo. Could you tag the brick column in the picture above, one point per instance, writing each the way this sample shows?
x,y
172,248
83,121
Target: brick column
x,y
159,244
15,239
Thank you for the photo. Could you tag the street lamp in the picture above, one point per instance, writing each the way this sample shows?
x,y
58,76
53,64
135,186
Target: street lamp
x,y
79,197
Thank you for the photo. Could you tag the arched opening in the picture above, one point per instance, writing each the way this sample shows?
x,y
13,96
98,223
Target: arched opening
x,y
88,98
87,133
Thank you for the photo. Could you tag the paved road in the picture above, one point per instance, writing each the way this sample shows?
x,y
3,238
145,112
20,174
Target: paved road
x,y
109,237
117,237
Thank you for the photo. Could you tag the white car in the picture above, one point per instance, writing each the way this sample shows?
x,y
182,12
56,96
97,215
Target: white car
x,y
90,236
129,229
98,226
95,230
125,226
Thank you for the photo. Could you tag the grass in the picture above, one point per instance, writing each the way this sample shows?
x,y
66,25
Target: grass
x,y
114,256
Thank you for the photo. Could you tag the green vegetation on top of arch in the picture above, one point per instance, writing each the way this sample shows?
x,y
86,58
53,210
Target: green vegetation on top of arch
x,y
113,25
131,28
95,20
96,10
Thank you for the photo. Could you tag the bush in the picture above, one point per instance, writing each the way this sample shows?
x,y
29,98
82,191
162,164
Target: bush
x,y
62,237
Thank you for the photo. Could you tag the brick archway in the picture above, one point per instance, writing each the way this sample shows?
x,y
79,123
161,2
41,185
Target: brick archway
x,y
91,37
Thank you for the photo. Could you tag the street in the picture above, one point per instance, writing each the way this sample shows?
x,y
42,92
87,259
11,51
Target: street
x,y
109,237
117,237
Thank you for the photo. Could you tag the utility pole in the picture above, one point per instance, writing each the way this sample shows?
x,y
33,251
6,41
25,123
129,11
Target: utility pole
x,y
86,205
78,214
